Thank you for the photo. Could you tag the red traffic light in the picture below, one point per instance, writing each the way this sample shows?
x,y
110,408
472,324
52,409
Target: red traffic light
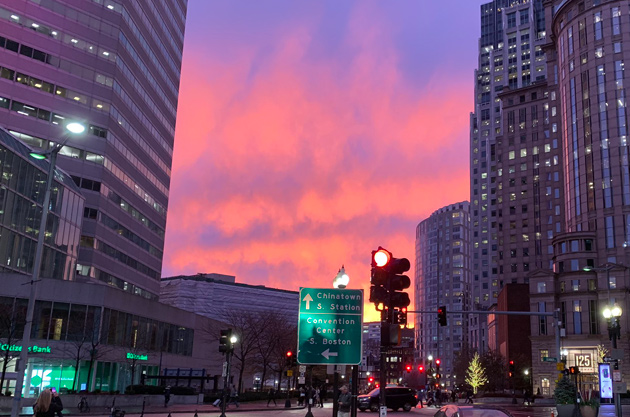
x,y
370,379
381,257
438,362
511,362
408,368
289,354
420,368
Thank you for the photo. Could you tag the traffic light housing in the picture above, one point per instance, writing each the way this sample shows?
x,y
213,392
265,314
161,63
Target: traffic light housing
x,y
400,316
388,283
574,370
408,368
379,294
290,359
442,316
225,342
398,282
511,369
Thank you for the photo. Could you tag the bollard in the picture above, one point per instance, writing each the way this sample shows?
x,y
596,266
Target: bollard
x,y
169,414
195,414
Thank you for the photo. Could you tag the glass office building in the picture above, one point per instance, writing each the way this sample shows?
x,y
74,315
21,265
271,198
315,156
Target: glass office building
x,y
113,66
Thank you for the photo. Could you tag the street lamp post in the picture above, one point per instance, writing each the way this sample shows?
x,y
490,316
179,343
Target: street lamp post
x,y
20,367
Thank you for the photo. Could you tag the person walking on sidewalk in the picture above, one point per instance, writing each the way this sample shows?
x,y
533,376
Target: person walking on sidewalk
x,y
271,396
233,397
167,395
344,401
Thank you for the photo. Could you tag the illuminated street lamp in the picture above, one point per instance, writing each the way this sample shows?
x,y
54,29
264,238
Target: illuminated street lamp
x,y
51,155
612,314
341,279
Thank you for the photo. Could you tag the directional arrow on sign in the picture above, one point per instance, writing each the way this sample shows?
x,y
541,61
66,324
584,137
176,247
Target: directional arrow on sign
x,y
327,353
308,300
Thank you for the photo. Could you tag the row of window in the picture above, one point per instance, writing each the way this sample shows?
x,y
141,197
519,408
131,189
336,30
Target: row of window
x,y
109,279
45,115
129,235
97,186
68,39
92,243
47,87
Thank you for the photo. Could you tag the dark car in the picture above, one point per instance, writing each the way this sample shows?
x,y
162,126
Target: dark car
x,y
395,398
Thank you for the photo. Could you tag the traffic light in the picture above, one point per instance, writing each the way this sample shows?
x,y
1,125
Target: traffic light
x,y
371,380
388,282
378,291
225,342
511,369
398,283
437,363
290,359
408,368
421,369
442,316
400,316
437,368
574,370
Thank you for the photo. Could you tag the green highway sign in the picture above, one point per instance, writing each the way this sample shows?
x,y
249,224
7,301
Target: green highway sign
x,y
330,326
548,359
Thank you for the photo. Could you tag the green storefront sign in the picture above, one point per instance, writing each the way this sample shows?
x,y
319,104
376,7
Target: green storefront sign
x,y
330,326
136,357
17,348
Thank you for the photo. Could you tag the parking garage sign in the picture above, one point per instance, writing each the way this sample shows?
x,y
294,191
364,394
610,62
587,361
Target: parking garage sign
x,y
330,326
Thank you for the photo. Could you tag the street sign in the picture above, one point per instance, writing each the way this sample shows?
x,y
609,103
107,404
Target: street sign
x,y
620,387
302,369
330,326
548,359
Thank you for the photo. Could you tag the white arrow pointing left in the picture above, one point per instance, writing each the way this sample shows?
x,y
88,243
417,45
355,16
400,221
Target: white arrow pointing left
x,y
327,353
308,300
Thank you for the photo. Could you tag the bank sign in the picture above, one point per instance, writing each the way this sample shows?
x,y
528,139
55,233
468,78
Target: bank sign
x,y
330,326
17,348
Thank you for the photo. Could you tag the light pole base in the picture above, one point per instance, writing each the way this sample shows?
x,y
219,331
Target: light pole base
x,y
287,403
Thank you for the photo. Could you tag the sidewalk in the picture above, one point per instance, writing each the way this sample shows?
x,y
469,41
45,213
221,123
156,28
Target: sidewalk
x,y
171,409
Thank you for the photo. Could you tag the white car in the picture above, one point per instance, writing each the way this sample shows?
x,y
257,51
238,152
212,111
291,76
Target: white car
x,y
453,410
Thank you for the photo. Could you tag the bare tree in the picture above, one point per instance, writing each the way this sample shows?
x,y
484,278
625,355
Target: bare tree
x,y
11,327
268,340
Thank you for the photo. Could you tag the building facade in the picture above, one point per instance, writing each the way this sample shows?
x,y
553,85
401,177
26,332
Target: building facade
x,y
589,44
510,56
442,277
114,67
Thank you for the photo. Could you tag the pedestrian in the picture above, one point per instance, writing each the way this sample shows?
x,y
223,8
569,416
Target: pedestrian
x,y
48,404
271,396
322,396
469,397
302,396
167,395
233,397
344,401
420,395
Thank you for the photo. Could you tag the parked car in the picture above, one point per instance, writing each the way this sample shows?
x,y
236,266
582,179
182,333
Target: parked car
x,y
395,398
452,410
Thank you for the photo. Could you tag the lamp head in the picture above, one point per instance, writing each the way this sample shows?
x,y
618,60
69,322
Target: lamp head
x,y
607,313
616,311
75,127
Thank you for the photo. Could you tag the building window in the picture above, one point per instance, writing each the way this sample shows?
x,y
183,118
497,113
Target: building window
x,y
577,317
544,353
542,287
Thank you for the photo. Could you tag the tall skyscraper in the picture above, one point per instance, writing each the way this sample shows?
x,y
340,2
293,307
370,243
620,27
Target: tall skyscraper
x,y
510,56
587,52
442,278
113,66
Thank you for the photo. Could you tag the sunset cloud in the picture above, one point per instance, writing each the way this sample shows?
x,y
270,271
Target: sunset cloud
x,y
304,140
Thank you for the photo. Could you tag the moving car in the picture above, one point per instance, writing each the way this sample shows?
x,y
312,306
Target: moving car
x,y
452,410
395,398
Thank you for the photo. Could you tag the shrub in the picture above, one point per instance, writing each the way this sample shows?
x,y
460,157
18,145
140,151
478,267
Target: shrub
x,y
565,392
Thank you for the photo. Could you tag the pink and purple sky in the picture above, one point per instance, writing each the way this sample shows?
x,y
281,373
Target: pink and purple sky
x,y
311,132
